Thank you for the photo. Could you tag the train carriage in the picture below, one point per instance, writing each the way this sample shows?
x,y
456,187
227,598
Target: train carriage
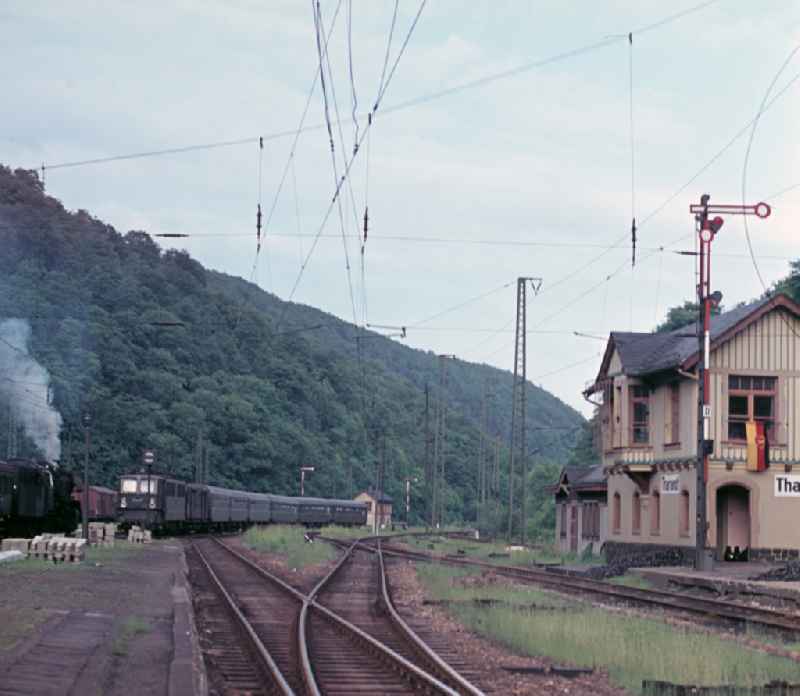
x,y
348,512
197,505
284,510
314,512
102,503
260,508
163,503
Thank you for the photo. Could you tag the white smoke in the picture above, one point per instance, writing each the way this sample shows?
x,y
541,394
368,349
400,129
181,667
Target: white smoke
x,y
25,387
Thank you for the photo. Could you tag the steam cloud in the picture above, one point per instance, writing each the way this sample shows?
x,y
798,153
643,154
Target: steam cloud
x,y
25,387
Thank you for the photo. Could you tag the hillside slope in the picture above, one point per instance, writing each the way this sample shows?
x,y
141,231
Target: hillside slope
x,y
165,354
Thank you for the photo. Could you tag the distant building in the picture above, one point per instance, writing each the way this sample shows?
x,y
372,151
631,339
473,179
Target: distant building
x,y
581,508
382,506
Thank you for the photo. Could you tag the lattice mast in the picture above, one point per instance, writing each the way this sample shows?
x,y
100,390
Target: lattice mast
x,y
518,448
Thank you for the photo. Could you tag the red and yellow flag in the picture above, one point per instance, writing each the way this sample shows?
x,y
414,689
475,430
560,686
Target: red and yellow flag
x,y
756,446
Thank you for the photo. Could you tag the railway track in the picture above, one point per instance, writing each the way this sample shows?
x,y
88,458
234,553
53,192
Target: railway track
x,y
262,616
715,609
345,637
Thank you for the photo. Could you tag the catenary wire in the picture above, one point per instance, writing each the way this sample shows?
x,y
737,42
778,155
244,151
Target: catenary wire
x,y
526,67
745,166
323,62
344,177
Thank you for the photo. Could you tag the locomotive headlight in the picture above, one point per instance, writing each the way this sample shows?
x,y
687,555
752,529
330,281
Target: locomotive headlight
x,y
152,503
123,503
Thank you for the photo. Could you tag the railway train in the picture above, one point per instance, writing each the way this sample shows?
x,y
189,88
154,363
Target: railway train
x,y
102,503
35,497
165,504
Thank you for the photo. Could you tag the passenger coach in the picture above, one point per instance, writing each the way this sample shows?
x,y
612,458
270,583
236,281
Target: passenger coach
x,y
165,504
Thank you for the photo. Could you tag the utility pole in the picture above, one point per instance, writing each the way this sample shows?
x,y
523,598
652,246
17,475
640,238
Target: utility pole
x,y
707,230
198,456
428,467
87,421
518,403
437,445
303,470
483,456
379,483
440,443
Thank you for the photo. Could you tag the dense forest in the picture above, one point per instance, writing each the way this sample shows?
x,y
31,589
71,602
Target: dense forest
x,y
165,354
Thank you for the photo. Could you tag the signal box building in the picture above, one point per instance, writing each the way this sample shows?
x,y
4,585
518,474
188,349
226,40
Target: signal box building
x,y
378,504
581,509
647,392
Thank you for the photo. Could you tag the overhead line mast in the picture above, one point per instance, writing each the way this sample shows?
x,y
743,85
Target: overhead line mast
x,y
518,405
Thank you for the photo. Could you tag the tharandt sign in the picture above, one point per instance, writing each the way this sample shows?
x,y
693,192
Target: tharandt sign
x,y
670,484
787,486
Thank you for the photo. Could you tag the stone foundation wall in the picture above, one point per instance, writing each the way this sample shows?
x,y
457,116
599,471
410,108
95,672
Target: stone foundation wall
x,y
647,555
774,555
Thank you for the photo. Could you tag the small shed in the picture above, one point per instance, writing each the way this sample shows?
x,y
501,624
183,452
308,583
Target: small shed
x,y
581,508
379,502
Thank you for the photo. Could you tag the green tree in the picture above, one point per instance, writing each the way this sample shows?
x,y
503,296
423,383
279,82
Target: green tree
x,y
682,315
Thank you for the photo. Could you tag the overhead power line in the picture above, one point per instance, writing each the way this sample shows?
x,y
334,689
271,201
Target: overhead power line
x,y
472,84
349,164
755,122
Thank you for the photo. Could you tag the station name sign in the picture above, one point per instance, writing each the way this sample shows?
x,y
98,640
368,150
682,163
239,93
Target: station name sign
x,y
787,486
670,484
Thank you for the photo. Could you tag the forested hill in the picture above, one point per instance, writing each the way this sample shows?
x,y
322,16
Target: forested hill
x,y
165,354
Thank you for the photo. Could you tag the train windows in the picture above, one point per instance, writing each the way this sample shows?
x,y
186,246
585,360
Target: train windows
x,y
128,485
143,487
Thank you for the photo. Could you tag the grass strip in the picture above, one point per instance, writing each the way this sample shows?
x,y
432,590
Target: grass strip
x,y
290,543
630,648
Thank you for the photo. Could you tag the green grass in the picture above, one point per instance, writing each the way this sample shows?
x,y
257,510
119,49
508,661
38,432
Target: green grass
x,y
288,542
337,532
464,584
483,551
131,627
630,648
767,638
632,581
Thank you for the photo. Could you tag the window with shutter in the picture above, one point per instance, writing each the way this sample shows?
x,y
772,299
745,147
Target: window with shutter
x,y
672,414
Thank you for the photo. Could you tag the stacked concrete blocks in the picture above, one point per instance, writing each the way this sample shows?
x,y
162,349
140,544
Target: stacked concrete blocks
x,y
57,548
137,535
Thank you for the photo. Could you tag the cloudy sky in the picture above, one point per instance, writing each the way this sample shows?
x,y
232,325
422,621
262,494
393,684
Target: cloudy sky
x,y
526,175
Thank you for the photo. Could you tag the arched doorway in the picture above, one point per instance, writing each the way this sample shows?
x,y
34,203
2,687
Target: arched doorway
x,y
733,518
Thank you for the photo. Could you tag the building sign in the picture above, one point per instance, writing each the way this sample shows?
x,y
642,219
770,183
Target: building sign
x,y
670,484
787,486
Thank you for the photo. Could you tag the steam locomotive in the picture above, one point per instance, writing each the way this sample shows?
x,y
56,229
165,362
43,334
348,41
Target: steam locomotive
x,y
35,497
165,504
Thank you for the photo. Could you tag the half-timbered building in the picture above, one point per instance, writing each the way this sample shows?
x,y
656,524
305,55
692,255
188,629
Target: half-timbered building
x,y
647,394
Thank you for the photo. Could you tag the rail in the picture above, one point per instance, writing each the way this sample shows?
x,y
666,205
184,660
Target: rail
x,y
769,618
267,664
307,673
384,652
431,656
310,603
